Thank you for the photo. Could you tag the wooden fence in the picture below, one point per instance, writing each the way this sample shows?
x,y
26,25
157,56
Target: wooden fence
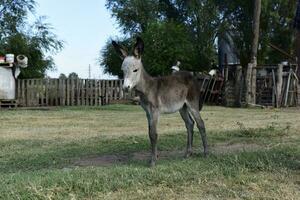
x,y
276,85
69,92
90,92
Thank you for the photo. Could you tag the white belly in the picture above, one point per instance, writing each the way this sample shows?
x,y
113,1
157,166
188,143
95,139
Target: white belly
x,y
171,108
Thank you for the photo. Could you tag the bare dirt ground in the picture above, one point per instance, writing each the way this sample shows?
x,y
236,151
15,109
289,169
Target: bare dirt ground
x,y
108,160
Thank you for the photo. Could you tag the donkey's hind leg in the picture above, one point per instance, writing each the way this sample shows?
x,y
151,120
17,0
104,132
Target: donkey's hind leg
x,y
200,124
189,124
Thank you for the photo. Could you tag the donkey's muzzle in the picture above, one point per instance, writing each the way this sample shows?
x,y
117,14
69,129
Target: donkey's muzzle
x,y
126,88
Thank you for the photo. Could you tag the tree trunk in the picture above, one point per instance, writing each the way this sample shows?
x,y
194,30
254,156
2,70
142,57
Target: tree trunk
x,y
251,71
256,20
298,53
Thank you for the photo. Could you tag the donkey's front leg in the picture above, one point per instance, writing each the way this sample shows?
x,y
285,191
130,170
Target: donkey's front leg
x,y
152,116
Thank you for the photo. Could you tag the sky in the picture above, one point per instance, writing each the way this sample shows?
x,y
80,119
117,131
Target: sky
x,y
84,26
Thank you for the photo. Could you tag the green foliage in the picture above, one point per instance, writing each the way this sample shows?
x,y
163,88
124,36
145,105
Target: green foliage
x,y
171,30
62,76
13,15
276,22
73,75
275,27
134,15
165,43
36,41
111,60
165,21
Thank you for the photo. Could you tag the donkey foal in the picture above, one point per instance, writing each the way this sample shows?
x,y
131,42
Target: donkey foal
x,y
177,92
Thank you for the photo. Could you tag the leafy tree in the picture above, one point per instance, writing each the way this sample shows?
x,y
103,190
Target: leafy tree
x,y
165,43
275,27
134,15
195,25
172,30
110,60
73,75
36,41
13,15
62,76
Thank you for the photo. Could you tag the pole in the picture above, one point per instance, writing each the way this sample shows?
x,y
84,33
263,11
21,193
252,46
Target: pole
x,y
90,72
251,70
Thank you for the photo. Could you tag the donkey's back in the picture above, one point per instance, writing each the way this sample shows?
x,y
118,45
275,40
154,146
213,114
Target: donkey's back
x,y
175,90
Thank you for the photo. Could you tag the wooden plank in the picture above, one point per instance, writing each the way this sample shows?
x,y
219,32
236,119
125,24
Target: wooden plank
x,y
121,89
68,92
47,91
238,79
274,91
287,88
103,91
96,88
61,95
86,92
50,92
27,93
90,92
106,92
77,92
83,93
42,93
18,92
279,84
72,92
114,89
24,103
19,82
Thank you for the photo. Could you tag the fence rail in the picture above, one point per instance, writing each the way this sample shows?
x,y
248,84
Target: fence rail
x,y
68,92
90,92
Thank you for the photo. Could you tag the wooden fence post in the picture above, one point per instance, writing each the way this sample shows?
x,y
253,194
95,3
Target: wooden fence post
x,y
253,84
238,87
279,85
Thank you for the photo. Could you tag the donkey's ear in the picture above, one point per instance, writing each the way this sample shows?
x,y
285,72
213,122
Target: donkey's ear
x,y
138,47
120,50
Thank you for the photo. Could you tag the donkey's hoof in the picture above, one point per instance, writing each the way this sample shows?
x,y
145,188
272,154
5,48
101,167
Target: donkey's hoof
x,y
206,153
152,163
188,154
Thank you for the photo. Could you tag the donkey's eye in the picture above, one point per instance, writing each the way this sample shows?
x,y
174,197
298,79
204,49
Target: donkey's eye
x,y
135,70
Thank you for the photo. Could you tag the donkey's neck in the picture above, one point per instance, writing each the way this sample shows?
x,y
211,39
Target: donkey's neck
x,y
145,83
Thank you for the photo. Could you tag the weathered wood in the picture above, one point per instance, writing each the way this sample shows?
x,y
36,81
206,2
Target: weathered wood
x,y
279,85
287,88
248,83
256,24
120,89
253,84
8,103
274,91
68,92
251,71
106,92
297,41
238,79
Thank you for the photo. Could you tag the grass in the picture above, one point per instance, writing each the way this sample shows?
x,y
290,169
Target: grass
x,y
255,154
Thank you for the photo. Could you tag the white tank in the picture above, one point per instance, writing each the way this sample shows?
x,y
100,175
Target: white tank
x,y
7,84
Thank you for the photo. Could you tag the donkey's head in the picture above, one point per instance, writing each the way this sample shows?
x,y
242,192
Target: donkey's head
x,y
132,65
